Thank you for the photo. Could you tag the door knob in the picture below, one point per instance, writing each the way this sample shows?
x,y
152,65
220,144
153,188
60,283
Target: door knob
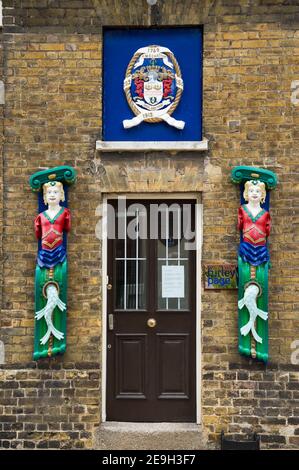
x,y
151,322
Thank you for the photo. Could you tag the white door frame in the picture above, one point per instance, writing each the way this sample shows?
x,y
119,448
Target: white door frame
x,y
198,229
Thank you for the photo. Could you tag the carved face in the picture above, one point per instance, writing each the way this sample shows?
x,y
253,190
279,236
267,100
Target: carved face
x,y
53,195
254,193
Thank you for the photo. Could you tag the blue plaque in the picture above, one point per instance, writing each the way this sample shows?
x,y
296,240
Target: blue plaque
x,y
152,84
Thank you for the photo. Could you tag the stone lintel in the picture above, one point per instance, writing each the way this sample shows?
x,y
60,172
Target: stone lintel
x,y
171,146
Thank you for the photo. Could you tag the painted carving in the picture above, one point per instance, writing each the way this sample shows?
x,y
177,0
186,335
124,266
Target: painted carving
x,y
254,223
153,86
51,226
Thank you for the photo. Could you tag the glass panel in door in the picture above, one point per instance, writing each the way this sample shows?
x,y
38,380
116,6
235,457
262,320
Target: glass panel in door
x,y
130,261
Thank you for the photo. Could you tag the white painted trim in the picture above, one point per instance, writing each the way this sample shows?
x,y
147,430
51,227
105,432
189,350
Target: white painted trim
x,y
104,307
199,238
171,146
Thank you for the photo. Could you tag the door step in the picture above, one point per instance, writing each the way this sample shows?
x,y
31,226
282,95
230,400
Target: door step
x,y
149,436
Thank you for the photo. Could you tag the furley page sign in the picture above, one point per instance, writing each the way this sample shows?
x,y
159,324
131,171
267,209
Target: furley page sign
x,y
220,276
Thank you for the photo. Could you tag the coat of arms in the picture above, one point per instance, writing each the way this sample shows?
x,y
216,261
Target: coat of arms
x,y
153,86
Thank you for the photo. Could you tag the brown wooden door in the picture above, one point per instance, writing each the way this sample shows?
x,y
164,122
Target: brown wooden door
x,y
151,369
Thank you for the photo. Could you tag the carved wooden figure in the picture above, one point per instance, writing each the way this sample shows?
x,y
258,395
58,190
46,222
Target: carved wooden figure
x,y
51,226
254,223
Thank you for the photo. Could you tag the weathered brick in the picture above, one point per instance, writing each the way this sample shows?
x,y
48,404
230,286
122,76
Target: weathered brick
x,y
273,438
8,435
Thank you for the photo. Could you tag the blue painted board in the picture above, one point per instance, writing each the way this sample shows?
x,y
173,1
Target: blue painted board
x,y
119,47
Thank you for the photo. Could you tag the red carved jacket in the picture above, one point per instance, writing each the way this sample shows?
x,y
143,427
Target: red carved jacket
x,y
256,229
51,230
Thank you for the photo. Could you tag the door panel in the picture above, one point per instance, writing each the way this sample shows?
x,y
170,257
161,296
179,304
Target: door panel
x,y
130,366
173,382
151,370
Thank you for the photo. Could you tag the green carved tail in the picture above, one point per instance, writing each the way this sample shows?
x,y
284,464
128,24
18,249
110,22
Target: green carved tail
x,y
53,346
262,302
244,276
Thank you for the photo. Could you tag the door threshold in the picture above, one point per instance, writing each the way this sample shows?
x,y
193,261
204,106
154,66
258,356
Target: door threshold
x,y
112,435
147,427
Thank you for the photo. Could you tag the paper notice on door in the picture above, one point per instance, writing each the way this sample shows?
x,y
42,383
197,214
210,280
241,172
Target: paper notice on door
x,y
173,282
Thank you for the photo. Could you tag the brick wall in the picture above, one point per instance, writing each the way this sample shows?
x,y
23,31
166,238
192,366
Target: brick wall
x,y
53,116
49,405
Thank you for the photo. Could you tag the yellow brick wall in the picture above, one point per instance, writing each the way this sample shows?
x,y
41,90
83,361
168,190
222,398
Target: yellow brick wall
x,y
53,117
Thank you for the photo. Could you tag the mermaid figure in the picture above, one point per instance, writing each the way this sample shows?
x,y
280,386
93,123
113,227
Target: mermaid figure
x,y
51,273
254,223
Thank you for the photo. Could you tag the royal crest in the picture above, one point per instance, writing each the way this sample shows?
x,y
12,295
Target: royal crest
x,y
153,86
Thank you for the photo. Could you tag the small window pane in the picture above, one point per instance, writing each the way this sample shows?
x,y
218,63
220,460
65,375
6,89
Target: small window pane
x,y
133,290
131,242
131,285
142,285
120,234
119,290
